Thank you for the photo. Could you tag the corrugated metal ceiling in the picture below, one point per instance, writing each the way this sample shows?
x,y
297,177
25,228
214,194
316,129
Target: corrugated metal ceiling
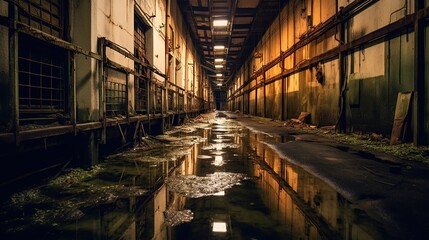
x,y
247,21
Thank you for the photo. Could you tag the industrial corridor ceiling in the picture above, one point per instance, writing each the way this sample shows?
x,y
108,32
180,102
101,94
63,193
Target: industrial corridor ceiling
x,y
226,31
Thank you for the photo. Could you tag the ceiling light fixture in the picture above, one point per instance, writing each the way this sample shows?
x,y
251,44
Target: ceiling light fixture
x,y
219,47
219,60
219,84
220,23
218,66
218,74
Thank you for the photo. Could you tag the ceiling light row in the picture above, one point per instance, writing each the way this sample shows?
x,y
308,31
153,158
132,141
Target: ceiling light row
x,y
220,23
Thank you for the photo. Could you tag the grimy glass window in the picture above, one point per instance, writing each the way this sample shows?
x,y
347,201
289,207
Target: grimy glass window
x,y
140,53
45,15
41,65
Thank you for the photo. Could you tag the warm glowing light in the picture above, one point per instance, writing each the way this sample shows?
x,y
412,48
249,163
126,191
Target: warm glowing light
x,y
219,47
218,66
220,23
219,60
221,193
219,84
219,227
218,161
218,74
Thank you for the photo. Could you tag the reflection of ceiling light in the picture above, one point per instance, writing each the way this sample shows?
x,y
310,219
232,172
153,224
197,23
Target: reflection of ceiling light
x,y
218,60
218,74
219,227
221,193
218,66
219,47
219,84
218,160
220,23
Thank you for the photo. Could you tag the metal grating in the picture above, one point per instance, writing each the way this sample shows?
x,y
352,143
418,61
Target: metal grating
x,y
158,99
140,45
45,15
189,102
116,95
171,105
141,95
181,103
140,52
42,78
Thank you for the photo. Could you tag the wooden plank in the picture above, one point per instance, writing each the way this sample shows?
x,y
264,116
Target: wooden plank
x,y
401,117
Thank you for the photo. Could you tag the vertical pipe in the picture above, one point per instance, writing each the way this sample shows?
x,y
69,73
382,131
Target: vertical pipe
x,y
13,71
127,97
72,74
419,76
164,91
281,64
102,78
342,119
193,84
256,96
265,93
185,96
72,77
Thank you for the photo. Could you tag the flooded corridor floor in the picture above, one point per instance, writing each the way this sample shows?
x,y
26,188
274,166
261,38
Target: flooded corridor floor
x,y
209,179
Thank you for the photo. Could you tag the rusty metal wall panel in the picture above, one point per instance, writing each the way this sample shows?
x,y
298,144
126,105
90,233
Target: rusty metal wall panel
x,y
260,100
252,102
274,100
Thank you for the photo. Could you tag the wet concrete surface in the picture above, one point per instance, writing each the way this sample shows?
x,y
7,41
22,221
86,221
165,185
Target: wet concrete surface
x,y
216,179
393,192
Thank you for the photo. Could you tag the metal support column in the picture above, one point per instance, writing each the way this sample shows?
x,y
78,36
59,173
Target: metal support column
x,y
256,97
341,125
127,95
419,76
283,92
13,71
102,78
265,93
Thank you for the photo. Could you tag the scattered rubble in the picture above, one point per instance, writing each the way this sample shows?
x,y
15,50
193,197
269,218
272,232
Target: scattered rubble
x,y
220,146
174,218
302,121
195,187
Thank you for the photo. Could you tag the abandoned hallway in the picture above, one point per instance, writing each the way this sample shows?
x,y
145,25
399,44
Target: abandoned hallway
x,y
214,119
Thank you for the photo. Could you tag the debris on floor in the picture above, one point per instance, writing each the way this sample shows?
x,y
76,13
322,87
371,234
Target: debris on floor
x,y
195,187
302,121
220,146
174,218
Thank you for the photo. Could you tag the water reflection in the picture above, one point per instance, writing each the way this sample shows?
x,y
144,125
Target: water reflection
x,y
295,196
222,181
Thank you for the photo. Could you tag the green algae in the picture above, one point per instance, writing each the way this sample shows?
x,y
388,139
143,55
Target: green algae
x,y
406,151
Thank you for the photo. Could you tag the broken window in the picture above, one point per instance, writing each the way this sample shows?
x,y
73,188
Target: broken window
x,y
42,65
140,52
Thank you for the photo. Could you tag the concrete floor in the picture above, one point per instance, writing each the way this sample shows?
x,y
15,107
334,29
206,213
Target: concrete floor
x,y
390,190
290,183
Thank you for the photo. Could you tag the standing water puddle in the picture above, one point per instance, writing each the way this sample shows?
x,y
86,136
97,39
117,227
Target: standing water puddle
x,y
204,181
